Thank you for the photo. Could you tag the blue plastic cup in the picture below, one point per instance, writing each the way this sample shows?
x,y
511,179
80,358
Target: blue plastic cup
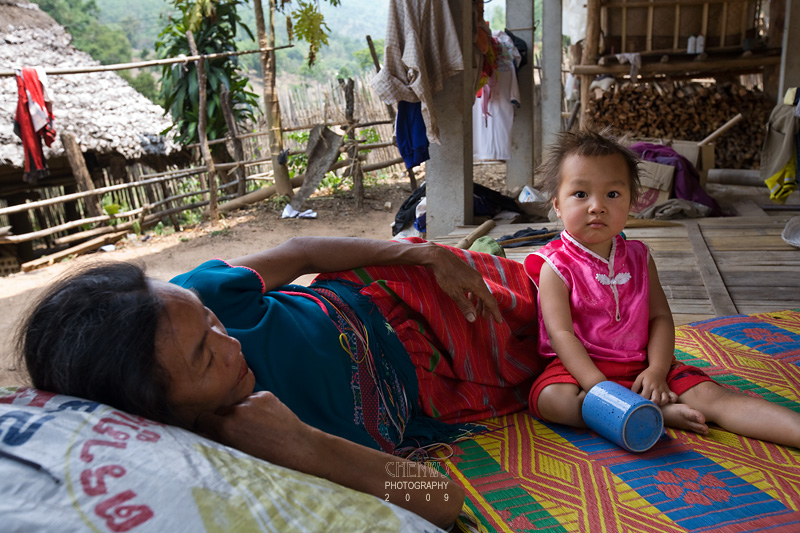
x,y
622,416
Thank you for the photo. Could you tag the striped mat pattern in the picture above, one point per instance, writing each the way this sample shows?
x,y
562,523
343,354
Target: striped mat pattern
x,y
527,475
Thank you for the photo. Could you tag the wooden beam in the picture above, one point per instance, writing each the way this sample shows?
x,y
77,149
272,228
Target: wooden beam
x,y
258,195
233,129
589,57
377,63
684,66
724,29
142,64
624,32
717,291
648,3
480,231
82,248
551,90
81,173
704,22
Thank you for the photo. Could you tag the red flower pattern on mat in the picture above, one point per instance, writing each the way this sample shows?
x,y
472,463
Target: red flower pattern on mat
x,y
520,523
761,334
687,483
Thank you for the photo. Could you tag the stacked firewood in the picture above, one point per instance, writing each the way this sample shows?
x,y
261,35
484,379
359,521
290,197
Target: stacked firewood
x,y
688,111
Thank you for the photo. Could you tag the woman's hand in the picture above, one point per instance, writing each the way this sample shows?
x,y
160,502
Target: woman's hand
x,y
307,255
464,285
652,384
264,427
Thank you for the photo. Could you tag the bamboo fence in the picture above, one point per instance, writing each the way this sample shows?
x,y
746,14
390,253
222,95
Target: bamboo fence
x,y
137,196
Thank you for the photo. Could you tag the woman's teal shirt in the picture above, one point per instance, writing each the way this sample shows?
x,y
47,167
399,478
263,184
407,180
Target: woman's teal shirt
x,y
292,340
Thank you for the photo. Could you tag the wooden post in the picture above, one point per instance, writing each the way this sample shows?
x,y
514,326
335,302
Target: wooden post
x,y
233,130
172,218
71,208
589,56
120,174
201,131
21,224
81,173
43,222
475,234
352,152
147,191
272,108
772,73
411,178
377,63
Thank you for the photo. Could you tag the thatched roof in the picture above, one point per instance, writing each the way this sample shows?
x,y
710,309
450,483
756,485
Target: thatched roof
x,y
100,109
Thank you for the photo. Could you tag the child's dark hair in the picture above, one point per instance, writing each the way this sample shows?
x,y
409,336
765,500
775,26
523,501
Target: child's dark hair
x,y
585,143
92,335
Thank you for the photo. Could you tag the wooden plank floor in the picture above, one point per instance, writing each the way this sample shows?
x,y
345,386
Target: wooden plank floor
x,y
709,267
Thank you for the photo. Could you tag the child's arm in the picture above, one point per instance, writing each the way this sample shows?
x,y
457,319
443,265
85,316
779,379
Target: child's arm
x,y
652,383
554,298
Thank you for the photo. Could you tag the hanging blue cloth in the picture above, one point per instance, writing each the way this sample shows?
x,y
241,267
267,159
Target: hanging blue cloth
x,y
412,136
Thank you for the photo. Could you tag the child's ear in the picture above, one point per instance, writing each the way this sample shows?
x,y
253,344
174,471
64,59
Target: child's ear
x,y
555,207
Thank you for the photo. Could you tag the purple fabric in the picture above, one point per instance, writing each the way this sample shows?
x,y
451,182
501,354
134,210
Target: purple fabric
x,y
687,181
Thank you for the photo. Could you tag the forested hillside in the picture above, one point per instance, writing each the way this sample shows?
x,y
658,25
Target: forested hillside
x,y
116,31
141,22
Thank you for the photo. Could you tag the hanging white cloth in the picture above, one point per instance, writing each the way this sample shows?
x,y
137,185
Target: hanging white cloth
x,y
421,49
491,131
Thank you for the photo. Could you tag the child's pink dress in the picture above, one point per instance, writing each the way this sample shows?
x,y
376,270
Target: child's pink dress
x,y
609,299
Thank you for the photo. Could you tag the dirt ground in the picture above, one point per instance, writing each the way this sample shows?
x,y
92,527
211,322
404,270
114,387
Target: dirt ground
x,y
242,232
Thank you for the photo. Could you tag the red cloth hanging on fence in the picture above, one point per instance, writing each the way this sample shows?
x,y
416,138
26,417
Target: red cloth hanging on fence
x,y
33,123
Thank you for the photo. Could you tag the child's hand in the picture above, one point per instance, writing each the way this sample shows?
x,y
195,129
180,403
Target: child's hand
x,y
652,385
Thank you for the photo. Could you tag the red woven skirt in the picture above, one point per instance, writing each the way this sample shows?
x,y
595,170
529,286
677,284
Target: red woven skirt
x,y
466,371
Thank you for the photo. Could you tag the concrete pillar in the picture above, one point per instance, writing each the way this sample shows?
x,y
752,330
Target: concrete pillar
x,y
551,71
448,188
790,62
519,169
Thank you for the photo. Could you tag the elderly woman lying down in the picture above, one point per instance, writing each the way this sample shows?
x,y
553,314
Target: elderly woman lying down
x,y
365,362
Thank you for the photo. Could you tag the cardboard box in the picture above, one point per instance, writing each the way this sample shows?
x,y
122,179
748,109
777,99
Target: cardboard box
x,y
702,157
656,182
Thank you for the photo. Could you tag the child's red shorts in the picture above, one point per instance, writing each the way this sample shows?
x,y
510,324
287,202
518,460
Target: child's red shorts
x,y
680,378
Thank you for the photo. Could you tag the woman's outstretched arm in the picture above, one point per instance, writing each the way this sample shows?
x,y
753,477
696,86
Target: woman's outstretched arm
x,y
310,255
265,428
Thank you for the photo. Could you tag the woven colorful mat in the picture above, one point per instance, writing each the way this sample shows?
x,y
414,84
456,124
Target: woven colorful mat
x,y
527,475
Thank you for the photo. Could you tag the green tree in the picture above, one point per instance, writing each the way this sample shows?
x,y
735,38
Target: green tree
x,y
310,28
75,15
106,45
79,17
308,24
215,24
498,20
364,56
145,83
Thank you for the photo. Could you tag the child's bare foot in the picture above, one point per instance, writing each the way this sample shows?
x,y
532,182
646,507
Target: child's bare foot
x,y
681,416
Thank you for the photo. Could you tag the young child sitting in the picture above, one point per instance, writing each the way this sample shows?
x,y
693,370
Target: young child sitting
x,y
603,314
